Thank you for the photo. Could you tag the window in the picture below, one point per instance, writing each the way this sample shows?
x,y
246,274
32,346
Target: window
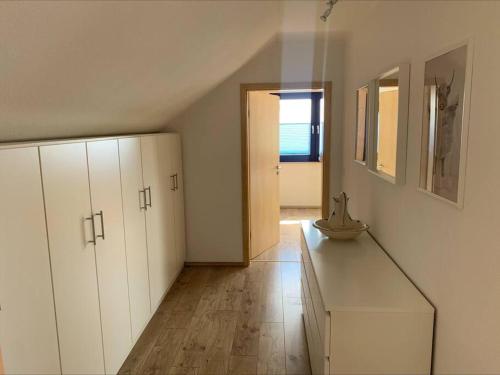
x,y
301,119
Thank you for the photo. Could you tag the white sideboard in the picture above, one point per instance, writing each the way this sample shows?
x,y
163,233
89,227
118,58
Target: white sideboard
x,y
92,239
361,313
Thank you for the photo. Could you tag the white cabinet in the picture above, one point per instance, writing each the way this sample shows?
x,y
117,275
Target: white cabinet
x,y
156,167
361,314
178,193
106,201
28,333
92,237
68,211
133,197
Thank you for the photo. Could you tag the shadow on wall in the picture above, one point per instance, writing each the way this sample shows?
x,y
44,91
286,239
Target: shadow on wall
x,y
210,130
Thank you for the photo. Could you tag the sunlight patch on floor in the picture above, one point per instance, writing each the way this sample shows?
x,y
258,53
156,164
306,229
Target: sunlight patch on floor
x,y
288,222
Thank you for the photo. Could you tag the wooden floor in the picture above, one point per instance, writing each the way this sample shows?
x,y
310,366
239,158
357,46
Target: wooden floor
x,y
230,320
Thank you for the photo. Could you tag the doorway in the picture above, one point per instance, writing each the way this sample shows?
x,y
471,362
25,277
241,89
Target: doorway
x,y
285,164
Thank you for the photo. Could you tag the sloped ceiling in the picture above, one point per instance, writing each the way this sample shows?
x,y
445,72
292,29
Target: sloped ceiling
x,y
89,68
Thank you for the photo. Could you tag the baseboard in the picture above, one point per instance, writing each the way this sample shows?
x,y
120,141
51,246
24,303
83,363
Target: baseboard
x,y
315,207
219,264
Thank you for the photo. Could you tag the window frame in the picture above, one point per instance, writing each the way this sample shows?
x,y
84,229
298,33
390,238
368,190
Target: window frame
x,y
315,123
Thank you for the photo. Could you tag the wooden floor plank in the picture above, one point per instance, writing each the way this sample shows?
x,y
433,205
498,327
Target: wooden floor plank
x,y
243,365
232,291
271,358
296,352
137,359
271,304
182,371
246,340
164,352
218,353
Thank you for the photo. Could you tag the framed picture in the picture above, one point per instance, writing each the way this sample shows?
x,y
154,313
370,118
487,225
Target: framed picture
x,y
388,134
447,84
361,124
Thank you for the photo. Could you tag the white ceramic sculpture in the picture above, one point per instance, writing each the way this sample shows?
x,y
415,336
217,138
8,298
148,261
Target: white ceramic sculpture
x,y
340,225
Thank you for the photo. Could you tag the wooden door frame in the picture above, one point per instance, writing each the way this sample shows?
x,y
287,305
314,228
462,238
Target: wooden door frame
x,y
245,88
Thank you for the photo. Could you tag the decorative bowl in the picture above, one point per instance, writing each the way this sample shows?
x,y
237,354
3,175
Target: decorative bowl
x,y
339,233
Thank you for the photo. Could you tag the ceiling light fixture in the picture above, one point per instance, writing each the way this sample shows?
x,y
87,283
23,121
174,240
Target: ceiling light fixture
x,y
330,4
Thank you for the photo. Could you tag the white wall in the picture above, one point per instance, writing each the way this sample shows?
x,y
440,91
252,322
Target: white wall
x,y
300,184
452,255
210,131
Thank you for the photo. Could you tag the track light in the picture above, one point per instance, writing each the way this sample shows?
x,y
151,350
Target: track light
x,y
330,4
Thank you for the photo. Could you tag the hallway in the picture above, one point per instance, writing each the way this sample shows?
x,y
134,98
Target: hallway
x,y
231,320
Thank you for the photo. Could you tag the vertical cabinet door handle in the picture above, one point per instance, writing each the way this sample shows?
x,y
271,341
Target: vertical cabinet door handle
x,y
176,182
141,207
102,225
173,182
91,219
149,193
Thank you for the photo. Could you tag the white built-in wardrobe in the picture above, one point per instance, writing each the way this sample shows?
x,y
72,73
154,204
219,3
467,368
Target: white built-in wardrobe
x,y
91,238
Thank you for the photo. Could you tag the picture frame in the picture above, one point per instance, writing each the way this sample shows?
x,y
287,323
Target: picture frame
x,y
395,172
447,86
362,124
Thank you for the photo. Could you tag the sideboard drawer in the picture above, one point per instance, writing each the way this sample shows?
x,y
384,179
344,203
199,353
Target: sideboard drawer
x,y
321,316
318,351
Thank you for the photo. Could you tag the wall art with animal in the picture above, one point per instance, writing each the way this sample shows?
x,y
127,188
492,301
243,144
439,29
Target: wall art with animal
x,y
444,91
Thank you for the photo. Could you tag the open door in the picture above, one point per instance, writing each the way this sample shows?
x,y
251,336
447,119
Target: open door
x,y
263,120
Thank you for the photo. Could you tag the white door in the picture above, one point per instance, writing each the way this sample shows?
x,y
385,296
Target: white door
x,y
67,199
179,218
159,218
135,232
28,333
263,123
106,200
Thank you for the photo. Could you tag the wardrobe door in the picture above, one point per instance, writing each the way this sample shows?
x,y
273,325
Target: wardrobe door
x,y
179,218
106,201
28,335
67,199
159,224
135,232
168,188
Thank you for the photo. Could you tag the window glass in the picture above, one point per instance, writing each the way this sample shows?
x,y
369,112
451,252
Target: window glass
x,y
295,127
295,139
293,111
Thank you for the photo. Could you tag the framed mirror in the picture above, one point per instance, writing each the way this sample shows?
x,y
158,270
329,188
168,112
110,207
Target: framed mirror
x,y
390,123
360,148
447,81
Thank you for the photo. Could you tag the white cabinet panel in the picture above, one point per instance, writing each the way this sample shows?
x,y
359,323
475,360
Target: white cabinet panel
x,y
106,200
165,144
27,320
179,218
135,233
67,198
159,219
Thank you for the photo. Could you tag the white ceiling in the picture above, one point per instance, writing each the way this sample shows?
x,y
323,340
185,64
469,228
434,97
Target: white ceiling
x,y
80,68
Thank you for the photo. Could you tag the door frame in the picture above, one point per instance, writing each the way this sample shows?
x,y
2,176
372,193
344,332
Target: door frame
x,y
245,170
